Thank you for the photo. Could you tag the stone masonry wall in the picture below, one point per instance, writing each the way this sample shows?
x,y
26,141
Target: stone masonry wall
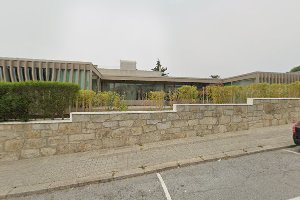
x,y
92,131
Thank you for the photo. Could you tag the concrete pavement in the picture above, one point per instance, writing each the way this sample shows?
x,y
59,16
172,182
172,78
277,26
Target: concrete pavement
x,y
270,175
64,171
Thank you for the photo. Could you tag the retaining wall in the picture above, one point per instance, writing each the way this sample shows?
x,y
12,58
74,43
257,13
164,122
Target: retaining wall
x,y
91,131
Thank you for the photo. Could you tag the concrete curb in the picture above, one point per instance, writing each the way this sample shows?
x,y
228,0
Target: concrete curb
x,y
142,170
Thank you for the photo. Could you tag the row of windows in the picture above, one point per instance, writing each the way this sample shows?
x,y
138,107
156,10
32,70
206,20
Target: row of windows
x,y
138,91
42,75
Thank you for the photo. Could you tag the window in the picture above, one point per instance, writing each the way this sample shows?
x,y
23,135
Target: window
x,y
15,74
62,74
68,75
44,78
8,74
1,74
29,73
82,76
22,74
50,74
37,73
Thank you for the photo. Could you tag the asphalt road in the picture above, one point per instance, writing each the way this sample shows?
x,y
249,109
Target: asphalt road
x,y
269,175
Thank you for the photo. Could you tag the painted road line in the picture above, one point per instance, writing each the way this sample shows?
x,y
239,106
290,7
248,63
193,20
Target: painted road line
x,y
296,198
291,152
164,186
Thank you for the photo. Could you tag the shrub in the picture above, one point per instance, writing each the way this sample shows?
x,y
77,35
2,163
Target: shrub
x,y
110,100
158,97
187,94
23,100
86,98
239,94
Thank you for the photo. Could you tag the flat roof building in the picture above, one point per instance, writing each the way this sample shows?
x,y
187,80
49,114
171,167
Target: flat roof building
x,y
127,80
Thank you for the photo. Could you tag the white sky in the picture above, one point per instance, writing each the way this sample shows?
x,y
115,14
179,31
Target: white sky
x,y
193,38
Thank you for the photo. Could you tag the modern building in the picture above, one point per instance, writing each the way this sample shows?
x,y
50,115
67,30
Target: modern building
x,y
127,80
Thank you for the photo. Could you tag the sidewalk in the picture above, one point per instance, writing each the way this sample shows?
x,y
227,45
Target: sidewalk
x,y
64,171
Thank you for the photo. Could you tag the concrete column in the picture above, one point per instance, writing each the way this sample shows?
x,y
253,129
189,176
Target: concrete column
x,y
4,70
78,74
65,74
91,77
25,68
11,71
98,84
33,74
59,72
71,73
84,80
18,71
53,72
40,70
47,74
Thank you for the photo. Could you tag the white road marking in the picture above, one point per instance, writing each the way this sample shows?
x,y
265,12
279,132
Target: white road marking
x,y
164,186
296,198
291,152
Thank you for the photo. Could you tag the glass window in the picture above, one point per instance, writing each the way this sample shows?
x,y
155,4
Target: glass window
x,y
62,75
75,76
87,80
37,73
82,76
44,78
68,75
50,74
1,74
29,73
22,74
8,74
15,74
56,75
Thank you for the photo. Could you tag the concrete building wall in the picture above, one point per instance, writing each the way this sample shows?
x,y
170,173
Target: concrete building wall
x,y
263,77
92,131
17,70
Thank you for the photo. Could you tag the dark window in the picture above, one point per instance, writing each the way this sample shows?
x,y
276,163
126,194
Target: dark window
x,y
50,74
15,74
44,74
1,73
29,73
8,74
22,73
37,73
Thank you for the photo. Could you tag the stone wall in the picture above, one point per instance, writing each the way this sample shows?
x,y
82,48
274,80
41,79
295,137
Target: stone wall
x,y
91,131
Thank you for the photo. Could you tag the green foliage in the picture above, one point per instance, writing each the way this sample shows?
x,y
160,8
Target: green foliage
x,y
158,68
295,69
23,100
158,97
109,100
86,98
239,94
187,94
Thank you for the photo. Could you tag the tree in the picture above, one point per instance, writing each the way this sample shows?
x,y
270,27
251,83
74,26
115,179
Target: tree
x,y
215,76
295,69
159,68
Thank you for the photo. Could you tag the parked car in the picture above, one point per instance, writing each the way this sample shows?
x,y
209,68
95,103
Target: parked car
x,y
296,133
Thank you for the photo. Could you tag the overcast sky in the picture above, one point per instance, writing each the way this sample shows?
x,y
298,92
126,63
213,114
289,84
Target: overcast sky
x,y
193,38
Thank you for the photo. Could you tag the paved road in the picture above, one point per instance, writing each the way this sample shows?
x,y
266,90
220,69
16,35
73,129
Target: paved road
x,y
269,175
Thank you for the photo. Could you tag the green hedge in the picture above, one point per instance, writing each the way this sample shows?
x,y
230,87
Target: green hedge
x,y
24,100
239,94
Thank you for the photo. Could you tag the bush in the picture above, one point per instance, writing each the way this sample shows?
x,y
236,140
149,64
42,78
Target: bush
x,y
187,94
158,97
109,100
239,94
86,98
23,100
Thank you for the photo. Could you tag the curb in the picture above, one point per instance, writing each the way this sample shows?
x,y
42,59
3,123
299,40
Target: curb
x,y
107,177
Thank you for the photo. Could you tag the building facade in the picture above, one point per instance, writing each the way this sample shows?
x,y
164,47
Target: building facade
x,y
128,81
